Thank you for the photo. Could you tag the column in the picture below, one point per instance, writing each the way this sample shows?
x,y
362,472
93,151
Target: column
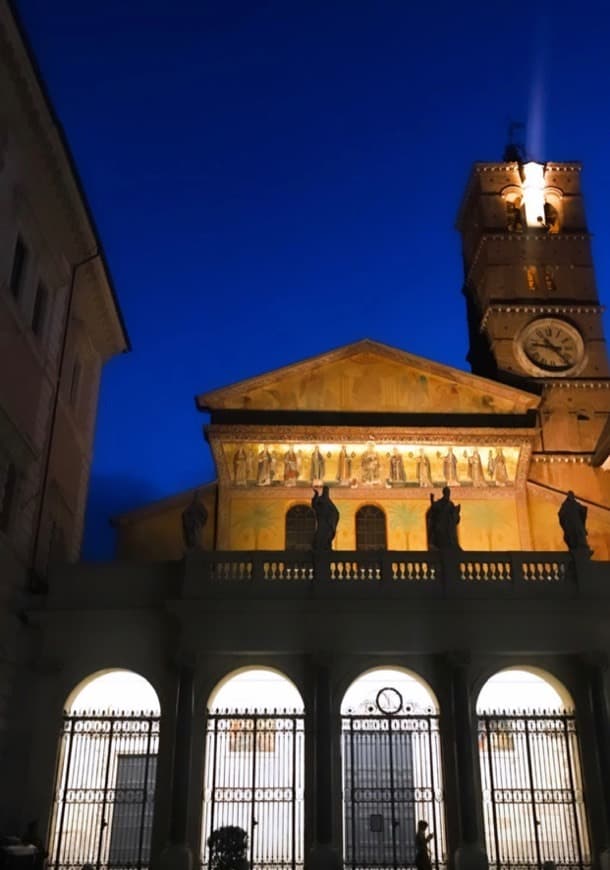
x,y
596,751
470,854
177,854
324,855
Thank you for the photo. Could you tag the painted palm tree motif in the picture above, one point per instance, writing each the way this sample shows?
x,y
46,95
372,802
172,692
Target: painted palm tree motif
x,y
254,520
407,519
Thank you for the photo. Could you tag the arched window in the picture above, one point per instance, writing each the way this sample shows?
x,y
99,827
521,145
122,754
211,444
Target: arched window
x,y
371,528
514,216
300,527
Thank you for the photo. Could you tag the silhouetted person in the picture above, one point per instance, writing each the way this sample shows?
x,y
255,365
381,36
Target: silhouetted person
x,y
327,517
422,853
572,518
194,518
442,521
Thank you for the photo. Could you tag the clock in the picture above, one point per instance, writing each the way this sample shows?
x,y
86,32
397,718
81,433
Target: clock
x,y
550,346
389,701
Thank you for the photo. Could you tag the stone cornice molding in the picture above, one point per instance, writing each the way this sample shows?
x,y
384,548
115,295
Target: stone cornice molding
x,y
573,458
542,308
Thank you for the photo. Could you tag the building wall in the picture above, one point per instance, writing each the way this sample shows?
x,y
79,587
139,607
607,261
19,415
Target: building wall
x,y
41,204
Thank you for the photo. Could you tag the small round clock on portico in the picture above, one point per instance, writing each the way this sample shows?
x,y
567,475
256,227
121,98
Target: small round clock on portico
x,y
389,701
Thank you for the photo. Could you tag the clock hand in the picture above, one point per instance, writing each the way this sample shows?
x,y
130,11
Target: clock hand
x,y
555,348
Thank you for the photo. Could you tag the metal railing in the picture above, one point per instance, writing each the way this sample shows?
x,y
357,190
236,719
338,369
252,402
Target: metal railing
x,y
254,779
392,778
533,800
105,790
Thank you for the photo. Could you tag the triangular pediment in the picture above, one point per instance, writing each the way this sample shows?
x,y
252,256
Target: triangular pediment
x,y
370,376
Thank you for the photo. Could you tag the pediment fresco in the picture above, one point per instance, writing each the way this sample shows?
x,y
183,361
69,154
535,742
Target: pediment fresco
x,y
368,376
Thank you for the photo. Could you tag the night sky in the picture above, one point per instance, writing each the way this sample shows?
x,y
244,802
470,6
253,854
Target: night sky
x,y
274,179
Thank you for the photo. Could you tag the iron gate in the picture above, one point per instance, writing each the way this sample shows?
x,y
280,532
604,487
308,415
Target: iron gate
x,y
391,779
533,800
255,780
105,789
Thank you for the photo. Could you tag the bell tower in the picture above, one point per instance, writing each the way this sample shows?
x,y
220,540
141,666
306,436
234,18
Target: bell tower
x,y
533,309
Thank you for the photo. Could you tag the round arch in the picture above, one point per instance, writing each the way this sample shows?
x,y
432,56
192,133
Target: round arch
x,y
106,772
255,688
255,765
362,692
391,768
528,749
522,688
113,689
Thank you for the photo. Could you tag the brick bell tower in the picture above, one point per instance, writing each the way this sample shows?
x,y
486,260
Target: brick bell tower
x,y
534,317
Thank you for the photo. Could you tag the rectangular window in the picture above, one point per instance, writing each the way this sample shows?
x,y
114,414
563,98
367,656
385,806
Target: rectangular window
x,y
7,497
75,382
39,312
18,270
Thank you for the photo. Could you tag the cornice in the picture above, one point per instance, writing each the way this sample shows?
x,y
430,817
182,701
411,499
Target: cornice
x,y
601,384
570,458
573,166
543,308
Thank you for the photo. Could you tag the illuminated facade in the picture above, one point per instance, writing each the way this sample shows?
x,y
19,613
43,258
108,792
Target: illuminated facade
x,y
384,648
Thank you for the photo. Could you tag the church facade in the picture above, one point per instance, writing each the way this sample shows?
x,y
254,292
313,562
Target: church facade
x,y
334,775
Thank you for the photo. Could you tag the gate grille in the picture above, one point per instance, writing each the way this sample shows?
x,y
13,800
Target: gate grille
x,y
104,797
391,779
533,800
255,780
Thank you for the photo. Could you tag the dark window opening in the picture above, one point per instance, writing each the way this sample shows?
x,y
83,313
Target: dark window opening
x,y
75,382
18,269
371,528
8,497
39,312
300,527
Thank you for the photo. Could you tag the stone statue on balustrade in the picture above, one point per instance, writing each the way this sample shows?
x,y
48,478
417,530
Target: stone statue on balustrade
x,y
327,518
442,520
572,519
194,518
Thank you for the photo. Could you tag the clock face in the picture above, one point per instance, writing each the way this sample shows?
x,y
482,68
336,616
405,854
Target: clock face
x,y
389,701
550,346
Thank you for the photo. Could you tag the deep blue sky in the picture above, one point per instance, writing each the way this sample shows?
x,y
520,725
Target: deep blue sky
x,y
274,179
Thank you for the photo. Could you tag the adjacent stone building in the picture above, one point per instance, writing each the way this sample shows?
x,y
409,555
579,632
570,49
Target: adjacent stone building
x,y
59,323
